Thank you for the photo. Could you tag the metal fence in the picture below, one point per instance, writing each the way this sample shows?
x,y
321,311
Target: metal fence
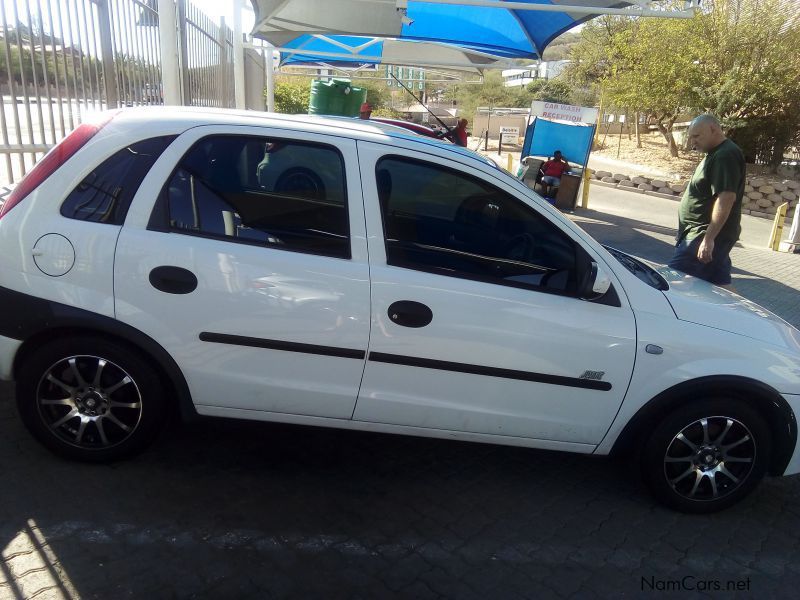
x,y
208,59
63,59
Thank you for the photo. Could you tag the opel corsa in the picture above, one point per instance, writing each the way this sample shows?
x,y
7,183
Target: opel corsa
x,y
348,274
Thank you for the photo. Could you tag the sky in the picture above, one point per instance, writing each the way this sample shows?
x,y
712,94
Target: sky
x,y
216,8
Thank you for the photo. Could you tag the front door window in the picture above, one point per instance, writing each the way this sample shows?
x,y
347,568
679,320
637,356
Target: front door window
x,y
443,221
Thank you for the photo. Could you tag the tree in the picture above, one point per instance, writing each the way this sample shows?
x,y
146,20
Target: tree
x,y
737,59
490,93
660,84
378,95
626,58
550,90
753,74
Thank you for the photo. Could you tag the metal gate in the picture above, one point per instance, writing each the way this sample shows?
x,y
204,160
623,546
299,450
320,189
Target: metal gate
x,y
63,59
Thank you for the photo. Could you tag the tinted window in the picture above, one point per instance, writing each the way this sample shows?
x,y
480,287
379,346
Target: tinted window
x,y
255,190
106,193
440,220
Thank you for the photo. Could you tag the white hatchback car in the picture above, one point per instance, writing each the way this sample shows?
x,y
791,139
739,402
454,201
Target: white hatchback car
x,y
341,273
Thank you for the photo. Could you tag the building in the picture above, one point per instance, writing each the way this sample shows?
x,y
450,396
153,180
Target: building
x,y
545,69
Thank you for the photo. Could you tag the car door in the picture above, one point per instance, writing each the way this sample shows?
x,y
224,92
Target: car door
x,y
477,325
244,255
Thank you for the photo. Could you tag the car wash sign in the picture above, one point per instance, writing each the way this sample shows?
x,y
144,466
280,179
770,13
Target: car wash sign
x,y
563,112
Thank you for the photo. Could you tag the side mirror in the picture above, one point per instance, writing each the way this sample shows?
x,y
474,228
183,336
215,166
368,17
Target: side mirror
x,y
595,282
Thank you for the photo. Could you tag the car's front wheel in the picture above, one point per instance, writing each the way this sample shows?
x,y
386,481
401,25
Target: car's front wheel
x,y
707,455
90,398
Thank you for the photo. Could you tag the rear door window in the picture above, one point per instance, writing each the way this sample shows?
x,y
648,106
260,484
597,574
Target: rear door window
x,y
255,190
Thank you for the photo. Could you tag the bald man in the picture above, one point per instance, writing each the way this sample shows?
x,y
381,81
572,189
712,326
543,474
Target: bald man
x,y
711,207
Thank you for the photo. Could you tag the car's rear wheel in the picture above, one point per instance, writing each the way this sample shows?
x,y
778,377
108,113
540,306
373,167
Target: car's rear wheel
x,y
90,398
707,455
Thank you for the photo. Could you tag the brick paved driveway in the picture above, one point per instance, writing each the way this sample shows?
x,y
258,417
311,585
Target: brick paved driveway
x,y
224,509
240,510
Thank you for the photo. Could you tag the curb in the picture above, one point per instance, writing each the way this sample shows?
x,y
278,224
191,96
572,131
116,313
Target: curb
x,y
603,183
666,196
633,189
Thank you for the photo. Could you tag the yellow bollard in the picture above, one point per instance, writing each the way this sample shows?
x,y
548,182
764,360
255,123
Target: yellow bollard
x,y
510,163
587,177
777,227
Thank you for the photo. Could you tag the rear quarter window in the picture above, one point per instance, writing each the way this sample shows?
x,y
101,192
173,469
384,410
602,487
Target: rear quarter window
x,y
105,194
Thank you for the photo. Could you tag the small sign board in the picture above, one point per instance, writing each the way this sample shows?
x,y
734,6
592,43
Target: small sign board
x,y
509,131
563,112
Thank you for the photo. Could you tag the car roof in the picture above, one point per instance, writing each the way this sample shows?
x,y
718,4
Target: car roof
x,y
350,127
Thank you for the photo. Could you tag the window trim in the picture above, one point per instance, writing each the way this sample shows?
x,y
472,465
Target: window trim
x,y
159,216
578,248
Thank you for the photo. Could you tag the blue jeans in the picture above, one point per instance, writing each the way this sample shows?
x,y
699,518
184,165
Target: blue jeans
x,y
718,271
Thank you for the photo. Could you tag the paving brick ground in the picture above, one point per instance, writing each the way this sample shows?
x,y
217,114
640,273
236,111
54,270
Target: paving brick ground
x,y
221,509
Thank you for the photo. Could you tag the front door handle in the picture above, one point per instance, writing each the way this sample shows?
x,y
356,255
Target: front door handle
x,y
410,314
173,280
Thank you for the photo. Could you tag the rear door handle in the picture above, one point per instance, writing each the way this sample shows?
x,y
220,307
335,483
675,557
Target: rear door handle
x,y
173,280
408,313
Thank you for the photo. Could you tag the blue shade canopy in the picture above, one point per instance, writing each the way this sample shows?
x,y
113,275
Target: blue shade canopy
x,y
353,51
499,32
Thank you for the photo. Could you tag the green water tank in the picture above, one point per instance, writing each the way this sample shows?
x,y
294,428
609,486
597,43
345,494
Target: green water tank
x,y
335,97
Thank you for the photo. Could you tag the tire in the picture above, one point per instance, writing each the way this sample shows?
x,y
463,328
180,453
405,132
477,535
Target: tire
x,y
707,455
90,399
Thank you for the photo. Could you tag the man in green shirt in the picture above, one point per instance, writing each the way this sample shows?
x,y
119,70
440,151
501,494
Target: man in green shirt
x,y
709,221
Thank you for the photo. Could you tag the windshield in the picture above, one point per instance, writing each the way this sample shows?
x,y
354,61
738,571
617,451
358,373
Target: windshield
x,y
642,271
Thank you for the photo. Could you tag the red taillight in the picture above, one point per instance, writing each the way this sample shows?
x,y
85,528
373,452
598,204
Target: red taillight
x,y
57,156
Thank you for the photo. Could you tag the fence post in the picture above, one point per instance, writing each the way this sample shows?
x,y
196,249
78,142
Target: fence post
x,y
238,57
183,44
167,34
107,54
222,72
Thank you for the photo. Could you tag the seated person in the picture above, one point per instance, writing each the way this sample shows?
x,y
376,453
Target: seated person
x,y
552,171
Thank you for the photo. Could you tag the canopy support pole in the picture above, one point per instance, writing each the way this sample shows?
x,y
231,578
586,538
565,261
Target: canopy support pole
x,y
269,65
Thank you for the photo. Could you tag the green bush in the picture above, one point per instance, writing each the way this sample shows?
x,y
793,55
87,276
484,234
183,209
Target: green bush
x,y
292,95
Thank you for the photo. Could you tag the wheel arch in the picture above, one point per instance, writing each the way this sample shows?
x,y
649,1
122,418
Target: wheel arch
x,y
151,351
765,399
